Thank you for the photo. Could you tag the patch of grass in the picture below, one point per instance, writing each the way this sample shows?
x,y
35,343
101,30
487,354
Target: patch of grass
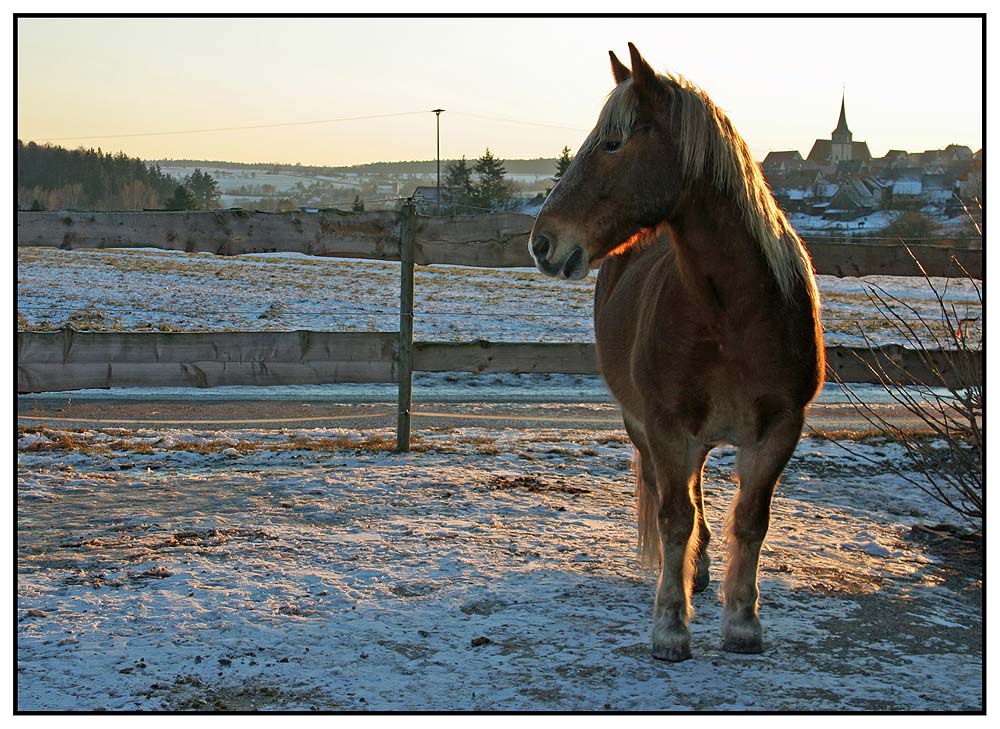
x,y
73,440
92,319
372,444
867,436
207,447
65,441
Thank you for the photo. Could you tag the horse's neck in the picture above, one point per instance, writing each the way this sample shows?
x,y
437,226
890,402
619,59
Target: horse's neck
x,y
713,246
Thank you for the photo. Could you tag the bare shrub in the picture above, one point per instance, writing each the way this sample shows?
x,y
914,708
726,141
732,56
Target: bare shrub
x,y
945,393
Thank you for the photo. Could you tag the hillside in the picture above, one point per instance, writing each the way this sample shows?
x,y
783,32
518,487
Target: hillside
x,y
543,166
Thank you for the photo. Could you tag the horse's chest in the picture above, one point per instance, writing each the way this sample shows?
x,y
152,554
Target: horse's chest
x,y
700,382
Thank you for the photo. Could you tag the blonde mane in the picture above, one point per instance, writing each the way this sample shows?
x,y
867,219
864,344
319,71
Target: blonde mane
x,y
711,147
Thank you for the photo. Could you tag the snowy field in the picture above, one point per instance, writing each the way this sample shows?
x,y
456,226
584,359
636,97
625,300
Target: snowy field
x,y
875,221
487,570
231,180
143,289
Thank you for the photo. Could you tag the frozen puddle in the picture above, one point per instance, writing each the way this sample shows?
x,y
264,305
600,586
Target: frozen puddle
x,y
488,570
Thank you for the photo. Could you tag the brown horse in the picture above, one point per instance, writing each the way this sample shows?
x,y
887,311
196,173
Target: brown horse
x,y
707,323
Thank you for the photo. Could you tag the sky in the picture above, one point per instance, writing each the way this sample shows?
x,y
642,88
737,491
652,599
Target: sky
x,y
353,90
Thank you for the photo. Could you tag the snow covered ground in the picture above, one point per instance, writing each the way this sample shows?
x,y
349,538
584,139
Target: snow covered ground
x,y
486,570
875,221
136,289
298,569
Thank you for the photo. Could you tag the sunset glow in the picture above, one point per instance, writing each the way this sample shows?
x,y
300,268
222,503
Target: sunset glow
x,y
342,91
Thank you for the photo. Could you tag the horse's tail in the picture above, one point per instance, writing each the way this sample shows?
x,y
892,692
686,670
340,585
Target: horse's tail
x,y
647,508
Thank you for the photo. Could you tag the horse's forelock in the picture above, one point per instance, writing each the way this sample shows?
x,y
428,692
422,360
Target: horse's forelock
x,y
617,117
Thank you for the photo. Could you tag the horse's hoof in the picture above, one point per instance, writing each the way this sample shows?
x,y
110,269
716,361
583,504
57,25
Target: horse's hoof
x,y
674,653
743,645
742,632
743,637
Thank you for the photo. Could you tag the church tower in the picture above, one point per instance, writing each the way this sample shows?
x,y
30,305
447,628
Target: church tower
x,y
841,147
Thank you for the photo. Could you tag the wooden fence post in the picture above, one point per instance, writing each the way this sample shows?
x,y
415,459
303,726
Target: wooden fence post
x,y
407,234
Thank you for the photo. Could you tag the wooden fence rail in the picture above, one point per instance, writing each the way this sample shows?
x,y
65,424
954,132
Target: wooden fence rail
x,y
492,241
70,360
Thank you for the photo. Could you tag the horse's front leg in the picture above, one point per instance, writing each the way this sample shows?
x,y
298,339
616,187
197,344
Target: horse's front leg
x,y
675,460
758,468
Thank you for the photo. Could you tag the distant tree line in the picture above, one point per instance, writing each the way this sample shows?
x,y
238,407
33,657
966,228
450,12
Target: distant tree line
x,y
538,166
50,177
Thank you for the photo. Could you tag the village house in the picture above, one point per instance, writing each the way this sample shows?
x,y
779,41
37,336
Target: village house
x,y
856,197
780,163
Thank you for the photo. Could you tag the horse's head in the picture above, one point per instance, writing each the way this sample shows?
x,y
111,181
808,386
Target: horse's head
x,y
622,183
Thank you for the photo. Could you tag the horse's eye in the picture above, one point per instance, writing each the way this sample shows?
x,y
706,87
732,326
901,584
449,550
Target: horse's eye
x,y
612,145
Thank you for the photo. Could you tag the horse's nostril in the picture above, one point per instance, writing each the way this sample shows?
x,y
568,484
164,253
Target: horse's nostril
x,y
574,260
540,245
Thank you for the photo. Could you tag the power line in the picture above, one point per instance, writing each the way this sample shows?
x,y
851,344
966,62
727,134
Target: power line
x,y
506,120
234,129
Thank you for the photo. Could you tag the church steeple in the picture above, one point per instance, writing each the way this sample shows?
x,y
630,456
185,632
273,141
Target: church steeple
x,y
840,147
841,144
842,133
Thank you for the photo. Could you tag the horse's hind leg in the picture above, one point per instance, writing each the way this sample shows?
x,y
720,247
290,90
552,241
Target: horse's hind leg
x,y
701,578
758,468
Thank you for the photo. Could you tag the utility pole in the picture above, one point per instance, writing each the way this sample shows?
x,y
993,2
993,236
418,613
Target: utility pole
x,y
437,113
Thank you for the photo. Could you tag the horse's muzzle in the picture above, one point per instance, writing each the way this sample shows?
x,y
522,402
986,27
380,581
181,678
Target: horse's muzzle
x,y
572,266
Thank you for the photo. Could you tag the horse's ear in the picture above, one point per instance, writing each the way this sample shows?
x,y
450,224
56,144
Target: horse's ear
x,y
618,69
643,74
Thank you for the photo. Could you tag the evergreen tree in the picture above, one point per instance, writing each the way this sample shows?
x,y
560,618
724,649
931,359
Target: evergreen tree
x,y
359,205
458,181
563,163
36,205
182,199
204,190
491,189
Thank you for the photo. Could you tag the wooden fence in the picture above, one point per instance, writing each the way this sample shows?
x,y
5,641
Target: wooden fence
x,y
69,360
490,241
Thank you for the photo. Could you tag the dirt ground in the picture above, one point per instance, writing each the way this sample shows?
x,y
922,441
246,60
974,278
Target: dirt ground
x,y
288,413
